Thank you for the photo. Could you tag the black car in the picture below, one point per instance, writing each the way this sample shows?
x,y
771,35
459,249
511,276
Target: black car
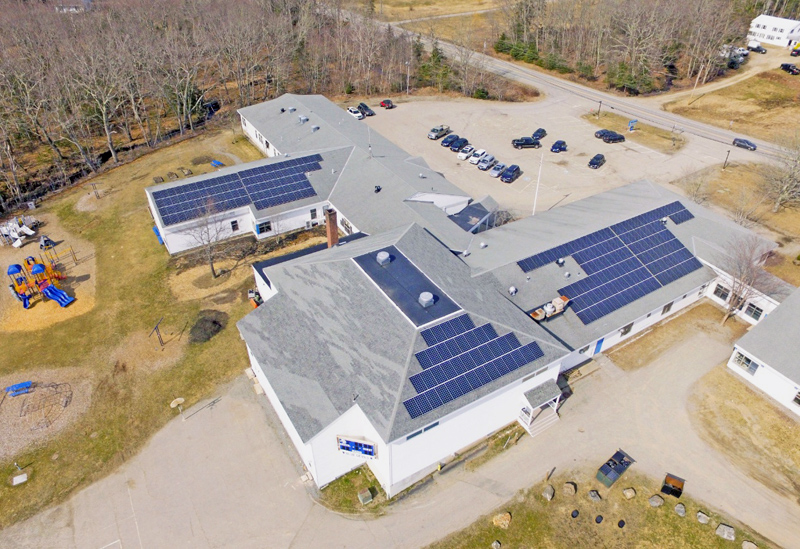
x,y
526,143
795,53
744,143
365,110
559,146
600,134
511,173
791,68
459,144
758,49
597,161
613,138
447,141
539,134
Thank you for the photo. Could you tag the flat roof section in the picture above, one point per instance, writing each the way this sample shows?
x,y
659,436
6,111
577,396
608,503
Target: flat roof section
x,y
403,283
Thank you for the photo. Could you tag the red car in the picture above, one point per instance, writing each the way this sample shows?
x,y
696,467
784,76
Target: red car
x,y
387,104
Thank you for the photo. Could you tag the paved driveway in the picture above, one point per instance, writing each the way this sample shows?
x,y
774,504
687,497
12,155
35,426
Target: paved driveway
x,y
227,477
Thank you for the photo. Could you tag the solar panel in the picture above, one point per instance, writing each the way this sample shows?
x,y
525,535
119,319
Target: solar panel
x,y
456,345
446,330
681,216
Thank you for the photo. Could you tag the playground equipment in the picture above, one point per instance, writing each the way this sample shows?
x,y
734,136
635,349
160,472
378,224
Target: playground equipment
x,y
14,231
37,280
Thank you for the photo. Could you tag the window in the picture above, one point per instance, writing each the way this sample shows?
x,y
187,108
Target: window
x,y
747,365
347,227
684,296
431,426
667,308
797,399
313,213
722,292
360,447
626,330
753,312
412,435
264,227
234,225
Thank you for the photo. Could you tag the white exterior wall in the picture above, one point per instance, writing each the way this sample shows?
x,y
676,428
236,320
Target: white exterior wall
x,y
775,384
774,30
258,140
450,204
290,221
763,302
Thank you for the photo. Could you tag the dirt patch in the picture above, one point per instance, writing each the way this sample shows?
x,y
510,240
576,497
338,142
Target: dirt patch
x,y
142,352
198,160
80,281
757,435
703,317
209,324
56,400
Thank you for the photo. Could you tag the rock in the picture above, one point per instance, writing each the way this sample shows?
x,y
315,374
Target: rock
x,y
569,489
656,501
549,492
594,496
496,544
629,493
502,520
726,532
680,509
702,518
93,435
749,545
54,456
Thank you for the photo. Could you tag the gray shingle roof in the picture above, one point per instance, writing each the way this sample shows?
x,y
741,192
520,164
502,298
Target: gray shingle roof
x,y
775,340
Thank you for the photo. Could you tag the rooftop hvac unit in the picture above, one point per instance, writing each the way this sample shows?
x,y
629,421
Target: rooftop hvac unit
x,y
314,128
383,258
426,299
303,118
292,109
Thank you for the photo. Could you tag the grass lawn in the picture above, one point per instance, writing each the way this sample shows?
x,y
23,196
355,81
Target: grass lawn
x,y
402,10
759,436
342,494
655,138
647,346
538,523
130,379
766,106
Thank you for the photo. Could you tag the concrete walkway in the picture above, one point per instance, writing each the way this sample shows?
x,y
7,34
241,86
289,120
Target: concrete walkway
x,y
227,477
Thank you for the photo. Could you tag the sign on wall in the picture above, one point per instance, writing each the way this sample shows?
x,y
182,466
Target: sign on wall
x,y
355,446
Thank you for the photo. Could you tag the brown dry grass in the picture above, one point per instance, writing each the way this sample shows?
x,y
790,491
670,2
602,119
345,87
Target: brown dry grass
x,y
703,317
783,267
655,138
754,433
473,29
765,106
402,10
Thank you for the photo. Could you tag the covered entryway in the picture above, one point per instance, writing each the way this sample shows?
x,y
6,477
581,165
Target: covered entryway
x,y
540,407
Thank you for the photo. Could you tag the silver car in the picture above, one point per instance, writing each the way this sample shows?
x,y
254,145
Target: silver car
x,y
497,170
487,162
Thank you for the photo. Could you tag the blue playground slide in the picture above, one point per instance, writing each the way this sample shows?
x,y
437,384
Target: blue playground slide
x,y
59,296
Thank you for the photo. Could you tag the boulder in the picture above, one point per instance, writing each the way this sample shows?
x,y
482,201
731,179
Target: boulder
x,y
629,493
502,520
569,489
749,545
680,509
702,518
594,496
656,501
726,532
549,492
496,544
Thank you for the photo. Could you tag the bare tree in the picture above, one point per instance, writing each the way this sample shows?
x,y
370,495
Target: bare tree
x,y
209,231
743,260
745,208
782,178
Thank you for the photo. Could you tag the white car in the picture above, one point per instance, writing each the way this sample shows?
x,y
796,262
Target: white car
x,y
497,170
487,162
355,112
466,152
477,156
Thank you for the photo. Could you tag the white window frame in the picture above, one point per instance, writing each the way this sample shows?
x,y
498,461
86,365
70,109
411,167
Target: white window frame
x,y
745,363
755,309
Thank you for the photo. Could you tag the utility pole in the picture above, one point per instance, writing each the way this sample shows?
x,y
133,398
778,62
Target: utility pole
x,y
408,76
725,164
598,110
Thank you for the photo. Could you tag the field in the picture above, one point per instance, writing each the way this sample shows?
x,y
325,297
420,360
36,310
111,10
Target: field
x,y
120,380
403,10
536,522
657,139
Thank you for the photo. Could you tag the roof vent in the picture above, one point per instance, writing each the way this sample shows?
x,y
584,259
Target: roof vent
x,y
566,274
560,261
377,188
512,290
314,128
303,118
484,244
383,258
663,220
283,110
426,299
292,109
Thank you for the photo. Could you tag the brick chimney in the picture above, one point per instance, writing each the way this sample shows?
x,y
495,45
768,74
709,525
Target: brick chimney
x,y
332,227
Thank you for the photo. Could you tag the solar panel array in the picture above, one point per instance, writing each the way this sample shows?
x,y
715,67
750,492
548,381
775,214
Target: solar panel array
x,y
263,186
461,358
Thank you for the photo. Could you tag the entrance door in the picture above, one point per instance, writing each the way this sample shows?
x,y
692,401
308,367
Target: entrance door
x,y
599,346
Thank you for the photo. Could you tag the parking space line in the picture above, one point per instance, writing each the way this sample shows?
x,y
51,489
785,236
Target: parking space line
x,y
116,542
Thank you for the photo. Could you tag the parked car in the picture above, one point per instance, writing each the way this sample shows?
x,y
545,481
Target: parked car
x,y
600,134
744,143
355,113
498,169
597,161
387,104
559,146
613,138
447,141
757,49
365,110
539,134
459,144
465,152
439,131
477,156
526,143
794,53
744,52
487,162
791,68
511,173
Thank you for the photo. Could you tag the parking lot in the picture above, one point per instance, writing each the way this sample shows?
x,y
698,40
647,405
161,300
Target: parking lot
x,y
565,176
